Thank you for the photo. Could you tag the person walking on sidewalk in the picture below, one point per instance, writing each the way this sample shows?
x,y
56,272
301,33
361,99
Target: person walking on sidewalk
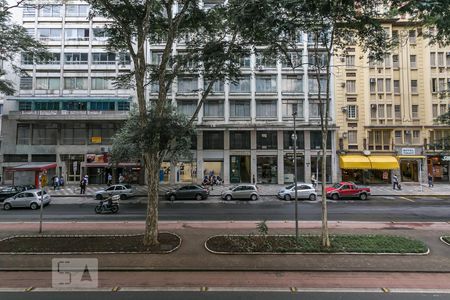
x,y
109,179
83,186
430,180
395,182
313,180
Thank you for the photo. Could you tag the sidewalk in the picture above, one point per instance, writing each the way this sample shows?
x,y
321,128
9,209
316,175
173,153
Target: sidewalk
x,y
409,189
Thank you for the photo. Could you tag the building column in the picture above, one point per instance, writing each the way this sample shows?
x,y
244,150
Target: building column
x,y
307,157
173,172
334,160
280,157
226,156
199,156
253,159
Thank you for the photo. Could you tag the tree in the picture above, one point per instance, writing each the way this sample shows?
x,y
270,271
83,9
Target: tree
x,y
212,50
333,25
13,40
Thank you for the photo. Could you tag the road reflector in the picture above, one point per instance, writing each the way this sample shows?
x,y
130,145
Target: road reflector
x,y
386,290
293,289
204,289
115,289
29,289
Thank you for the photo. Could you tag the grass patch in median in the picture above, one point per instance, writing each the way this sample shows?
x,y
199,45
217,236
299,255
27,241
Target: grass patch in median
x,y
312,244
87,243
446,239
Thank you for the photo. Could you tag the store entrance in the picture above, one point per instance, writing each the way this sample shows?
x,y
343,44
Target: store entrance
x,y
409,171
240,168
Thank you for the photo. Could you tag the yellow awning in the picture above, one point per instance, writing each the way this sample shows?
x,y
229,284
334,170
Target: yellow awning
x,y
354,162
410,156
383,162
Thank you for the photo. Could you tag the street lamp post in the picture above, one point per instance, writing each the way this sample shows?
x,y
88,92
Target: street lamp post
x,y
294,137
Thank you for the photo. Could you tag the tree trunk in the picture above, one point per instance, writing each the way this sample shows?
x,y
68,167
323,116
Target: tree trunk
x,y
152,166
325,233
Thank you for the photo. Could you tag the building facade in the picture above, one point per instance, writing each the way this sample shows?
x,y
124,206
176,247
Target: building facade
x,y
386,110
67,111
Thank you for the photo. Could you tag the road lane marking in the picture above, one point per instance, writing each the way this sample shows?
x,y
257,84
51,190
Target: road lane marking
x,y
407,199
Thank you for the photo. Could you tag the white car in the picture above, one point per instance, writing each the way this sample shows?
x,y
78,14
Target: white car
x,y
30,198
304,191
124,190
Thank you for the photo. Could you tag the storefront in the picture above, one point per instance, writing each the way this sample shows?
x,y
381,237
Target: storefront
x,y
240,168
438,167
267,169
370,169
289,169
29,173
316,168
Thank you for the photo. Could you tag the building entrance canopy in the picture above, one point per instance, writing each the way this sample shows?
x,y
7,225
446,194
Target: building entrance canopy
x,y
361,162
33,167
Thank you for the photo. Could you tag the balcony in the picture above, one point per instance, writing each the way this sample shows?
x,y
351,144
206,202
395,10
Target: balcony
x,y
65,115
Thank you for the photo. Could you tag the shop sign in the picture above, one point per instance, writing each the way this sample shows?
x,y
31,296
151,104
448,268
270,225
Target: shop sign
x,y
385,175
408,151
445,158
96,139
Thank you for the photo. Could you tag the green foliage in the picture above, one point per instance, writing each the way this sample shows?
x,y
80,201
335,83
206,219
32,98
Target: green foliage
x,y
444,118
262,227
446,239
15,40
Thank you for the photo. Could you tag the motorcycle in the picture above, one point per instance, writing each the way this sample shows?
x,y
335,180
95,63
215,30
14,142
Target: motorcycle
x,y
104,205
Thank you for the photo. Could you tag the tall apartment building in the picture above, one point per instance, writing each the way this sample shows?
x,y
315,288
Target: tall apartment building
x,y
386,110
66,112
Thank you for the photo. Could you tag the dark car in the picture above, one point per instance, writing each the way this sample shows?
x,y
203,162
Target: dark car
x,y
196,192
9,191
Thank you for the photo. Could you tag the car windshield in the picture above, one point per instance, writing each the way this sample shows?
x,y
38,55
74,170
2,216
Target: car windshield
x,y
337,185
289,187
39,193
128,186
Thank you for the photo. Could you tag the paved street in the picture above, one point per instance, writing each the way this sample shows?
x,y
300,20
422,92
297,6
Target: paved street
x,y
424,209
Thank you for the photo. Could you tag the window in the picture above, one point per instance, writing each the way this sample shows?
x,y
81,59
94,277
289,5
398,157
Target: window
x,y
23,134
381,111
213,140
50,34
266,84
397,86
350,86
314,111
317,60
387,60
443,108
45,134
156,58
187,84
101,83
27,59
373,111
413,61
395,61
124,58
397,112
26,83
75,58
266,140
388,84
434,88
414,87
293,60
352,137
416,137
292,84
186,107
265,62
75,83
441,84
240,140
244,61
412,36
415,111
213,108
288,142
54,59
380,85
239,108
105,58
441,59
266,108
123,106
352,112
217,87
76,10
102,105
104,131
433,59
290,106
29,11
74,105
76,34
373,84
45,83
398,137
389,111
435,110
24,105
50,105
50,11
407,137
448,59
350,61
100,34
313,85
241,86
316,140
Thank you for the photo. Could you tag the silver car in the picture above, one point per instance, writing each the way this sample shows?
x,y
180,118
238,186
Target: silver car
x,y
304,191
124,190
242,191
30,198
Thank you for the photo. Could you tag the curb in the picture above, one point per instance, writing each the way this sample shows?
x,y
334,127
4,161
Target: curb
x,y
442,240
307,253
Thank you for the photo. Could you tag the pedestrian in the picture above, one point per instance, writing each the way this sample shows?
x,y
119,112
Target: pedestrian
x,y
254,179
61,181
313,180
55,183
121,178
430,180
395,182
109,179
86,180
82,186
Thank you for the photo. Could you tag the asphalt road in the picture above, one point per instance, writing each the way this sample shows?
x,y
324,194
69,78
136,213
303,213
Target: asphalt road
x,y
419,209
222,295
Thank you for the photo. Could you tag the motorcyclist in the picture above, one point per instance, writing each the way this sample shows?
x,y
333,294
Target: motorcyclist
x,y
107,203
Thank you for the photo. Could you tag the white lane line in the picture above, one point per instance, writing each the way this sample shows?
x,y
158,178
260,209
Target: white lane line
x,y
407,199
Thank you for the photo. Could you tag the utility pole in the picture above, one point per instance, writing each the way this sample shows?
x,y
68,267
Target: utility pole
x,y
294,137
42,202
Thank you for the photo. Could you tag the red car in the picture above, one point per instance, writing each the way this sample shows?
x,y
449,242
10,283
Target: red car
x,y
347,190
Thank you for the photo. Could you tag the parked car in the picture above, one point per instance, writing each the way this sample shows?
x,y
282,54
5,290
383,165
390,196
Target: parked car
x,y
242,191
124,190
196,192
29,198
9,191
347,190
304,191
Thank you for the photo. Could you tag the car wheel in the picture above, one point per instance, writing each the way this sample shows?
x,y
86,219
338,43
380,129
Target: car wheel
x,y
198,197
363,196
287,197
7,206
254,197
335,197
312,197
34,206
123,196
99,197
172,197
228,198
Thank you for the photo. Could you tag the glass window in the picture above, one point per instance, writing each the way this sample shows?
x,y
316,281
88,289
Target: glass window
x,y
266,108
75,83
240,140
74,105
441,84
388,84
52,34
435,110
314,110
73,134
104,58
100,34
288,142
398,137
75,58
413,61
350,61
27,59
387,60
77,10
266,84
290,106
395,61
265,62
389,111
313,85
23,134
24,105
186,107
213,108
103,131
102,105
29,11
45,134
440,58
241,86
316,140
412,36
244,61
415,111
353,137
218,86
239,108
380,85
293,60
46,83
397,86
350,86
26,83
187,84
433,59
213,140
50,11
352,112
381,111
124,58
292,84
51,105
101,83
266,140
123,105
398,112
372,85
373,111
414,87
76,34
